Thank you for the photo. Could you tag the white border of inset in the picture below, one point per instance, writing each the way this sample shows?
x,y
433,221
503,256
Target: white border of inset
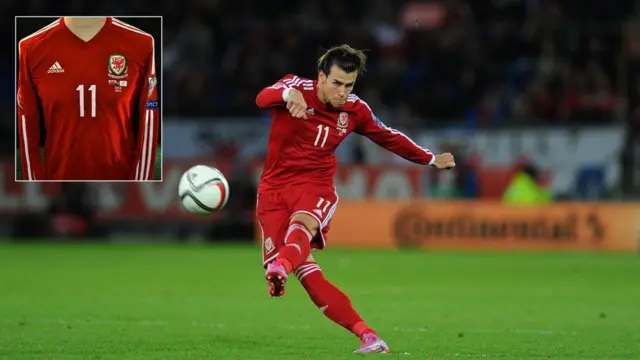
x,y
15,99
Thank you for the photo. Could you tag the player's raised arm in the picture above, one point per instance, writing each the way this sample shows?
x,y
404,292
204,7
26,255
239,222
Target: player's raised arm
x,y
28,122
398,143
149,118
276,94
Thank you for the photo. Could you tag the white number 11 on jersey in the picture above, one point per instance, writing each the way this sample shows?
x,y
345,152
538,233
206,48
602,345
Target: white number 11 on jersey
x,y
321,129
92,89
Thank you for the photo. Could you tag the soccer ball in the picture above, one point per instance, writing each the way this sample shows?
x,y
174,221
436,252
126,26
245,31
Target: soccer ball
x,y
203,190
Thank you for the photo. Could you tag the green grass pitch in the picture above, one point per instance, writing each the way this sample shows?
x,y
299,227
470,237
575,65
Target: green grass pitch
x,y
157,174
135,302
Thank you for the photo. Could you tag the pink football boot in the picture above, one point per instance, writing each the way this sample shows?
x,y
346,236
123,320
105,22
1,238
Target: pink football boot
x,y
276,277
371,343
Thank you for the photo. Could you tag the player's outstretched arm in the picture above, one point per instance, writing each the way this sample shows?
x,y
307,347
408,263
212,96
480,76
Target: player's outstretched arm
x,y
149,119
398,143
28,122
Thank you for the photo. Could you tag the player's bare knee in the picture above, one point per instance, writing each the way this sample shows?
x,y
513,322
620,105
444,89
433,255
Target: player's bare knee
x,y
309,222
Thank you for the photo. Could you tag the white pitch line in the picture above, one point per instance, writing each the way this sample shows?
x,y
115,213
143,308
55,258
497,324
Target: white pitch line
x,y
91,321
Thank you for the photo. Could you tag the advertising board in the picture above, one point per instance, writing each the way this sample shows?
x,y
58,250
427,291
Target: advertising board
x,y
479,225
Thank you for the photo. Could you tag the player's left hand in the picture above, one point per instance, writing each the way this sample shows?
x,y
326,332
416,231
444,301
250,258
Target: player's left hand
x,y
444,161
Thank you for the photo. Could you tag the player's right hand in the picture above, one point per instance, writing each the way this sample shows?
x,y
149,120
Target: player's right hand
x,y
296,104
444,161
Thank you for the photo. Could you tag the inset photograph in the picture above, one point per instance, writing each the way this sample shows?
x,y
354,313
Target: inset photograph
x,y
88,98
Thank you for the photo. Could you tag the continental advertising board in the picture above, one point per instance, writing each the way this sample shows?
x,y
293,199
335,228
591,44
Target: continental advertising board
x,y
486,226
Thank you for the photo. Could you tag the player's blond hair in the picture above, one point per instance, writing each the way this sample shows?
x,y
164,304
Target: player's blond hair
x,y
345,57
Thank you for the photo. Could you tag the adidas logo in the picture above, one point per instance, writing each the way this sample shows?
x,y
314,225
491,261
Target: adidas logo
x,y
311,111
55,69
318,212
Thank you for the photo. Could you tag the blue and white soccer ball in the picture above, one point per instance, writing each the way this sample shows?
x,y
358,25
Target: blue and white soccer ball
x,y
203,190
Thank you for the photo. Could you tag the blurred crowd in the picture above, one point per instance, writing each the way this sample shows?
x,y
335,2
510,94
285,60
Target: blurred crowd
x,y
485,62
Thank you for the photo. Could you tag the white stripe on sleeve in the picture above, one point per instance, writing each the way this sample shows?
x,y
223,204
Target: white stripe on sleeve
x,y
26,154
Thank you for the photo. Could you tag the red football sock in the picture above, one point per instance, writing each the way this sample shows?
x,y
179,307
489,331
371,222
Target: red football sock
x,y
297,248
332,302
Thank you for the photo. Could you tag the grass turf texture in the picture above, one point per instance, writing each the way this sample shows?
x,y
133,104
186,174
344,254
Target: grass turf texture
x,y
156,174
184,302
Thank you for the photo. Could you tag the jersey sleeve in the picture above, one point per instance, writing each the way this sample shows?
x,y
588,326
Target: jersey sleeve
x,y
391,139
28,122
274,95
148,117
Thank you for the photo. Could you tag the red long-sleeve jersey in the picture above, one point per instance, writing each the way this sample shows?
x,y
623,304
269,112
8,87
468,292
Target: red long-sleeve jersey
x,y
88,94
302,151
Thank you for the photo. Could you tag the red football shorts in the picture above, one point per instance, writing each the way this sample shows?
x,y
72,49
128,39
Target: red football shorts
x,y
275,209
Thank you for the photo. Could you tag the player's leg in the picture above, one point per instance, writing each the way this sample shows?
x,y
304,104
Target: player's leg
x,y
272,215
295,249
308,228
297,241
337,306
310,209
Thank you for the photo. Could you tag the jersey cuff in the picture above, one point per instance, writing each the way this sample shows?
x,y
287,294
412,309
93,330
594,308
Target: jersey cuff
x,y
285,94
433,160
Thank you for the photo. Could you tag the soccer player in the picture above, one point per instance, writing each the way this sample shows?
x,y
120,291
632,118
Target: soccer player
x,y
88,80
296,195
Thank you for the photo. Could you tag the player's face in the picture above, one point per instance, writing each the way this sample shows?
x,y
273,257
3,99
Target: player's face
x,y
337,85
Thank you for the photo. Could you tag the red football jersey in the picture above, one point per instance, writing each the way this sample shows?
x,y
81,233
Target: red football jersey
x,y
302,151
89,93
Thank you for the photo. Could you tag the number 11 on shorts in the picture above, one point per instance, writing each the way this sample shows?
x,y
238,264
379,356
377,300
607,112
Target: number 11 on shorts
x,y
323,205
